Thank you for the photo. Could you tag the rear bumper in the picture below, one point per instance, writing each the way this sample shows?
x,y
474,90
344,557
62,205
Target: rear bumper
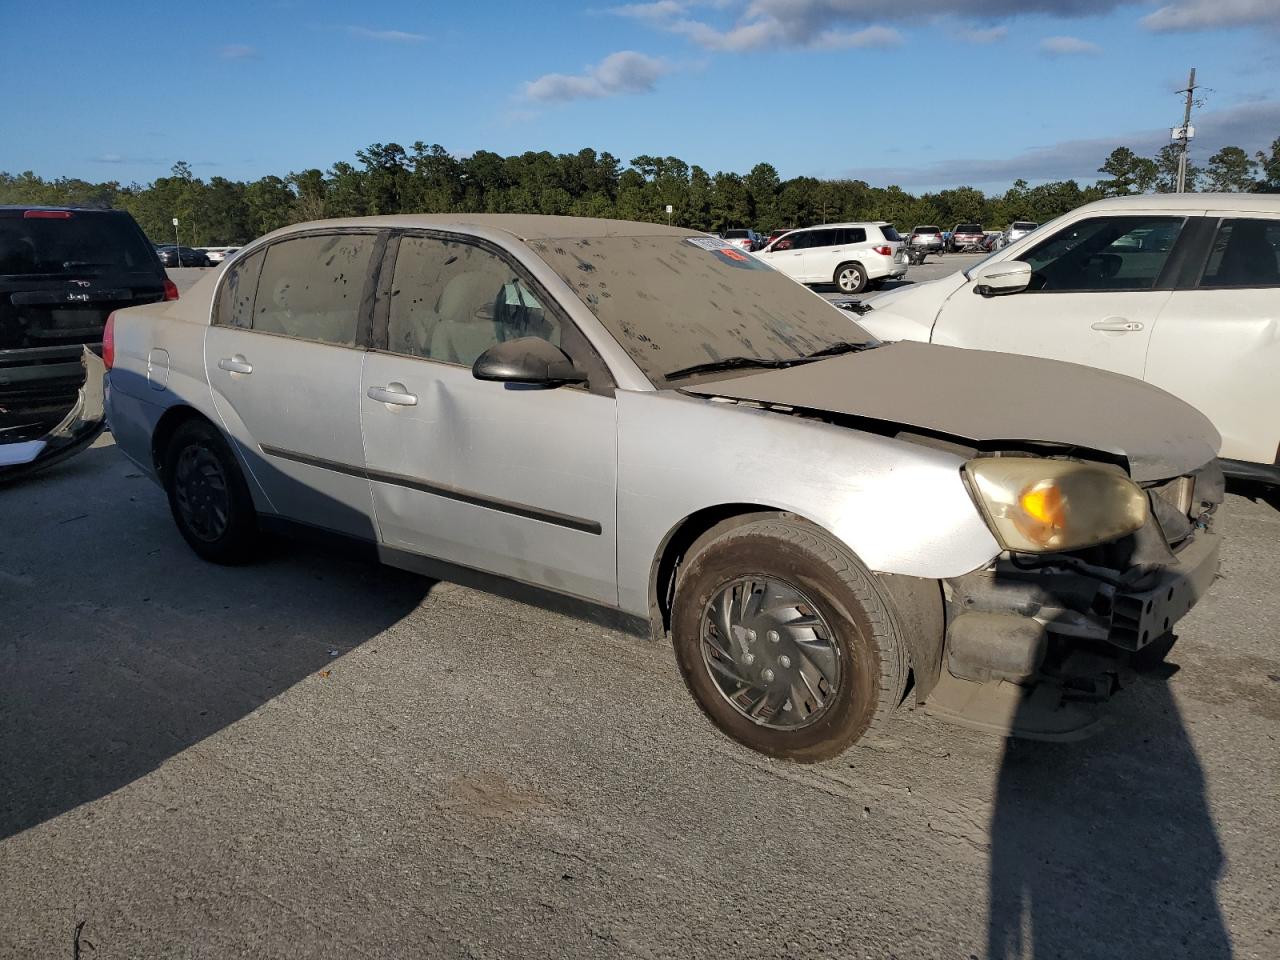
x,y
78,428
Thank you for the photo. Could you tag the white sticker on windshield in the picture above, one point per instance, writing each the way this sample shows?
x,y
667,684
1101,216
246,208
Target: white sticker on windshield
x,y
710,243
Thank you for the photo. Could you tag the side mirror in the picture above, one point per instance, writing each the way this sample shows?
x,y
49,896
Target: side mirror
x,y
529,360
1004,276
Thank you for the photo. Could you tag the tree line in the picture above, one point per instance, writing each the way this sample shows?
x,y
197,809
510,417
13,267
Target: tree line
x,y
387,178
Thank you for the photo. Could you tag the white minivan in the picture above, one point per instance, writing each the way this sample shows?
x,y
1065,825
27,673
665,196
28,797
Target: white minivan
x,y
1180,290
853,256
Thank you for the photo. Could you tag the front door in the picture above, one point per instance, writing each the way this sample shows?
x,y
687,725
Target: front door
x,y
511,480
1097,287
283,357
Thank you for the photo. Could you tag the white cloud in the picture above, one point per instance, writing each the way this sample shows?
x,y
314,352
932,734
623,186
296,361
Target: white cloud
x,y
109,158
1213,14
390,36
237,51
623,72
988,35
1068,47
1247,125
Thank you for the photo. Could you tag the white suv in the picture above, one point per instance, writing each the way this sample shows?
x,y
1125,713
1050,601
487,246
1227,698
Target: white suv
x,y
853,256
1182,291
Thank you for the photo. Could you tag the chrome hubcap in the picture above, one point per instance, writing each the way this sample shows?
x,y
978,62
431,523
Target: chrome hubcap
x,y
770,653
201,493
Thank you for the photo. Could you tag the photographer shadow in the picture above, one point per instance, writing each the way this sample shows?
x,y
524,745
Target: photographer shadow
x,y
1107,848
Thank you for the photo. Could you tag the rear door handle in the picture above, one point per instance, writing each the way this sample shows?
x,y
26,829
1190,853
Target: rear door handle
x,y
236,364
394,393
1118,325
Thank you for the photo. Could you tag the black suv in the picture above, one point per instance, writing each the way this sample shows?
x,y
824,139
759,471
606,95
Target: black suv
x,y
63,270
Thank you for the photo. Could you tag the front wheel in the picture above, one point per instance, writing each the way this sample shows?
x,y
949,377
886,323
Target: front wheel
x,y
785,640
851,278
208,496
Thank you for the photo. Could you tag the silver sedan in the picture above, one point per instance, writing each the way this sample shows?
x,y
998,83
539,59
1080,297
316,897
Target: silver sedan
x,y
649,427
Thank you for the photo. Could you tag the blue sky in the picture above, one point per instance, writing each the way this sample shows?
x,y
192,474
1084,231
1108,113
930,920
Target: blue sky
x,y
921,94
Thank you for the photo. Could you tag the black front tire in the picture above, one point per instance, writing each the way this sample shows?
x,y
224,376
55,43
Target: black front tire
x,y
845,593
208,495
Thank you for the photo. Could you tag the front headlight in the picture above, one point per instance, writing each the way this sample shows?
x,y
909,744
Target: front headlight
x,y
1045,506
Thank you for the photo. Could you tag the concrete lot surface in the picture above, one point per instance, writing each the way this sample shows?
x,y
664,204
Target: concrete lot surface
x,y
315,757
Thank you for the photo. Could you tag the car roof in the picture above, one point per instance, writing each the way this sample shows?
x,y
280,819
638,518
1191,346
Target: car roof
x,y
1190,201
521,226
23,207
849,223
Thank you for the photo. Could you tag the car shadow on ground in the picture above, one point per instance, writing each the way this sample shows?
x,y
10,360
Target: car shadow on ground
x,y
1106,848
1256,492
119,648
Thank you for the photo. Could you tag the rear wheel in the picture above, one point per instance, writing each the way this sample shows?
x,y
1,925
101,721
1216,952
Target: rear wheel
x,y
851,278
785,640
208,496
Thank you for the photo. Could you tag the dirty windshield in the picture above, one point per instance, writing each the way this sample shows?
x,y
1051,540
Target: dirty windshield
x,y
676,302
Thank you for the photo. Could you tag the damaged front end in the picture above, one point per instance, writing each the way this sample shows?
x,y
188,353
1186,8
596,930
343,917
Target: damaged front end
x,y
1036,641
51,407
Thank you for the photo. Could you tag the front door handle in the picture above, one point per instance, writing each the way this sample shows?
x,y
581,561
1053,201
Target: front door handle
x,y
1118,325
236,364
394,393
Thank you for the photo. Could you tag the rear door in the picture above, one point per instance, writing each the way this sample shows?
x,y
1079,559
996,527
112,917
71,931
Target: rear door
x,y
1098,285
1217,344
283,356
515,481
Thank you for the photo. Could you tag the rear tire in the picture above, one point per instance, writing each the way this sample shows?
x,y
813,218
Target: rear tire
x,y
785,639
208,495
851,278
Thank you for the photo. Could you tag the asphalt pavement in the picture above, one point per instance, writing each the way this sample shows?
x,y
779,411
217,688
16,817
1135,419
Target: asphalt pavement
x,y
315,756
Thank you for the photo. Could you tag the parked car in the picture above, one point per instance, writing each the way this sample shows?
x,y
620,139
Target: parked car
x,y
967,238
62,270
929,238
1172,289
218,254
747,240
648,426
853,256
172,256
1018,229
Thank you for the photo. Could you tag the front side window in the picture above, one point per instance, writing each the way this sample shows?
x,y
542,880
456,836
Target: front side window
x,y
797,240
1104,253
1245,253
311,287
452,301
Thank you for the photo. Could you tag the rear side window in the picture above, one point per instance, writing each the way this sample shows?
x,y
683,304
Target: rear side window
x,y
76,243
1245,253
235,298
1104,253
822,238
851,235
312,287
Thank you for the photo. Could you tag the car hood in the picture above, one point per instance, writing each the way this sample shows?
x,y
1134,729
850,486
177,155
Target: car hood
x,y
987,397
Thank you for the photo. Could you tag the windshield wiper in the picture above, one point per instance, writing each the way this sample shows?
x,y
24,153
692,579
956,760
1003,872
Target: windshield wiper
x,y
838,348
729,363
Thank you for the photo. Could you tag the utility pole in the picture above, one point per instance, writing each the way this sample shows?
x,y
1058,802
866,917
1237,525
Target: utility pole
x,y
1186,133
